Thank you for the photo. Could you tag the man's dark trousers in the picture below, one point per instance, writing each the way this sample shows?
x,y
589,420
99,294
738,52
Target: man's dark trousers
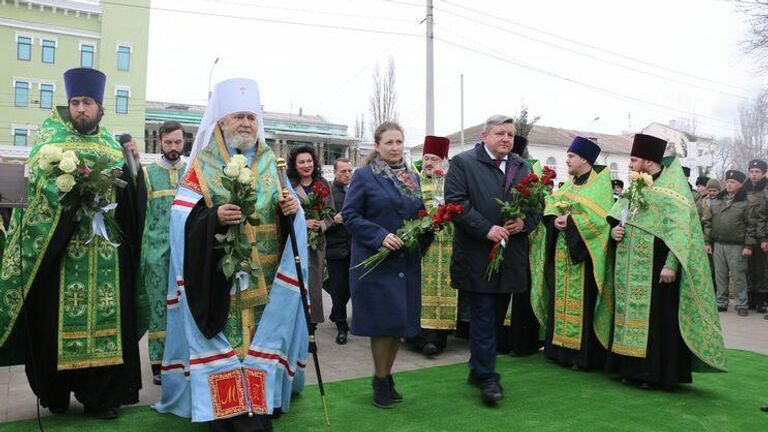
x,y
338,287
486,317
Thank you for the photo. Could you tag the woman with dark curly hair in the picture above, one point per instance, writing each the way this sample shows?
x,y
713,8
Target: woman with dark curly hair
x,y
313,191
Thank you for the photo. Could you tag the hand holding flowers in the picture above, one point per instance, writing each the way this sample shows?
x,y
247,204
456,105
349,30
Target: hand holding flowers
x,y
639,181
428,221
84,186
238,181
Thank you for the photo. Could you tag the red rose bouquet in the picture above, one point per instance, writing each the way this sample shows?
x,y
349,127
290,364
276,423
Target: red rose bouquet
x,y
528,196
412,229
315,208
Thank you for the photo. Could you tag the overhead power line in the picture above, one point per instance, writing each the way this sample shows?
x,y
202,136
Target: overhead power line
x,y
594,47
505,58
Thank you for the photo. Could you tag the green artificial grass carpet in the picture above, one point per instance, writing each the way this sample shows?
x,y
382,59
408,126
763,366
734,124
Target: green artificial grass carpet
x,y
539,396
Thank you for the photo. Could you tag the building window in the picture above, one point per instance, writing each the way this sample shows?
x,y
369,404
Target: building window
x,y
614,170
24,48
20,137
123,58
86,56
122,102
46,96
333,152
49,51
551,162
21,93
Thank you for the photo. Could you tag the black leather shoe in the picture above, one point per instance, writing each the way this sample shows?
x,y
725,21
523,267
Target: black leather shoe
x,y
58,409
761,309
396,397
382,395
102,413
743,312
474,381
430,349
157,379
341,337
491,392
722,308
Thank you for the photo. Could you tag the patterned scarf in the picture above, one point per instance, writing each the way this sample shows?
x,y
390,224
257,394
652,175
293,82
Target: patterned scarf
x,y
406,181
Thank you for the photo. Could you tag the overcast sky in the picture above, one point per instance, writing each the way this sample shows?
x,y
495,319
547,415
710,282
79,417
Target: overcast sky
x,y
569,61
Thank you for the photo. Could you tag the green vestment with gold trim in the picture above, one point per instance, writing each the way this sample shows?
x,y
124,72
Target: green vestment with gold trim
x,y
89,330
672,217
588,206
160,180
439,301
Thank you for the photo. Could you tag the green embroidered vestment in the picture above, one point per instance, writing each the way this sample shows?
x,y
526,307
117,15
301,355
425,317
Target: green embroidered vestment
x,y
89,331
672,217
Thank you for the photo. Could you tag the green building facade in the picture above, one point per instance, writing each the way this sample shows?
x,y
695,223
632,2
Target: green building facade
x,y
40,40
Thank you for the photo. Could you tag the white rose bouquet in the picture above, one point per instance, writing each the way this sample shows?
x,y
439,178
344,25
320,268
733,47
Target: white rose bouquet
x,y
83,185
639,181
238,181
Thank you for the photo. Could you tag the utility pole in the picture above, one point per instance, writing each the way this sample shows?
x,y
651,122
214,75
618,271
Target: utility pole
x,y
430,129
461,144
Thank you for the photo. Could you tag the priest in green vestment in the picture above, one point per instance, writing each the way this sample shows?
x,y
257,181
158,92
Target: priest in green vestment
x,y
68,274
160,179
665,322
576,307
439,302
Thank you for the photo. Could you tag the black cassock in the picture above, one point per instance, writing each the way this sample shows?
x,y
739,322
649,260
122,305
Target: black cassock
x,y
591,353
668,359
97,388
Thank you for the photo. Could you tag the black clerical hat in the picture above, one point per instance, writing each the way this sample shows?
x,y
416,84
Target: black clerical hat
x,y
648,147
519,145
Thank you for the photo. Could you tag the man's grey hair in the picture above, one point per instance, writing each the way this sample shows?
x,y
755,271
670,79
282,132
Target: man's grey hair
x,y
497,120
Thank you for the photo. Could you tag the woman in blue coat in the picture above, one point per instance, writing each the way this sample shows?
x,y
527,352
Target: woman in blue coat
x,y
387,301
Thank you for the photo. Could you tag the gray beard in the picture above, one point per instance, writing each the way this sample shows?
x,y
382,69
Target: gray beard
x,y
239,142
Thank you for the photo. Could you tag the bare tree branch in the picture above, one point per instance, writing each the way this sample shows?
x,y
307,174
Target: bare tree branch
x,y
382,105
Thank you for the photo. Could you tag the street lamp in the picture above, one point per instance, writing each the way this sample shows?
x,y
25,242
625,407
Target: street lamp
x,y
210,76
589,127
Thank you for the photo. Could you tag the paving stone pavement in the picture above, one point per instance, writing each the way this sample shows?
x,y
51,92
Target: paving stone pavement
x,y
352,360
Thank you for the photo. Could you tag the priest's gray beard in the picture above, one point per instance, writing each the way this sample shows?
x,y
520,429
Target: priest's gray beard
x,y
240,142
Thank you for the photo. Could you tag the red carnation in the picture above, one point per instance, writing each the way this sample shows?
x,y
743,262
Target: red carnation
x,y
520,187
524,181
526,193
438,172
547,181
533,177
315,208
423,213
324,192
447,217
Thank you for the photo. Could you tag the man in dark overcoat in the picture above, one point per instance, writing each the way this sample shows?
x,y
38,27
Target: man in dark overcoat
x,y
476,179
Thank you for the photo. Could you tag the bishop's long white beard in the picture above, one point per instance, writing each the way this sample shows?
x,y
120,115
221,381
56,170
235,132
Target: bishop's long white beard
x,y
240,142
